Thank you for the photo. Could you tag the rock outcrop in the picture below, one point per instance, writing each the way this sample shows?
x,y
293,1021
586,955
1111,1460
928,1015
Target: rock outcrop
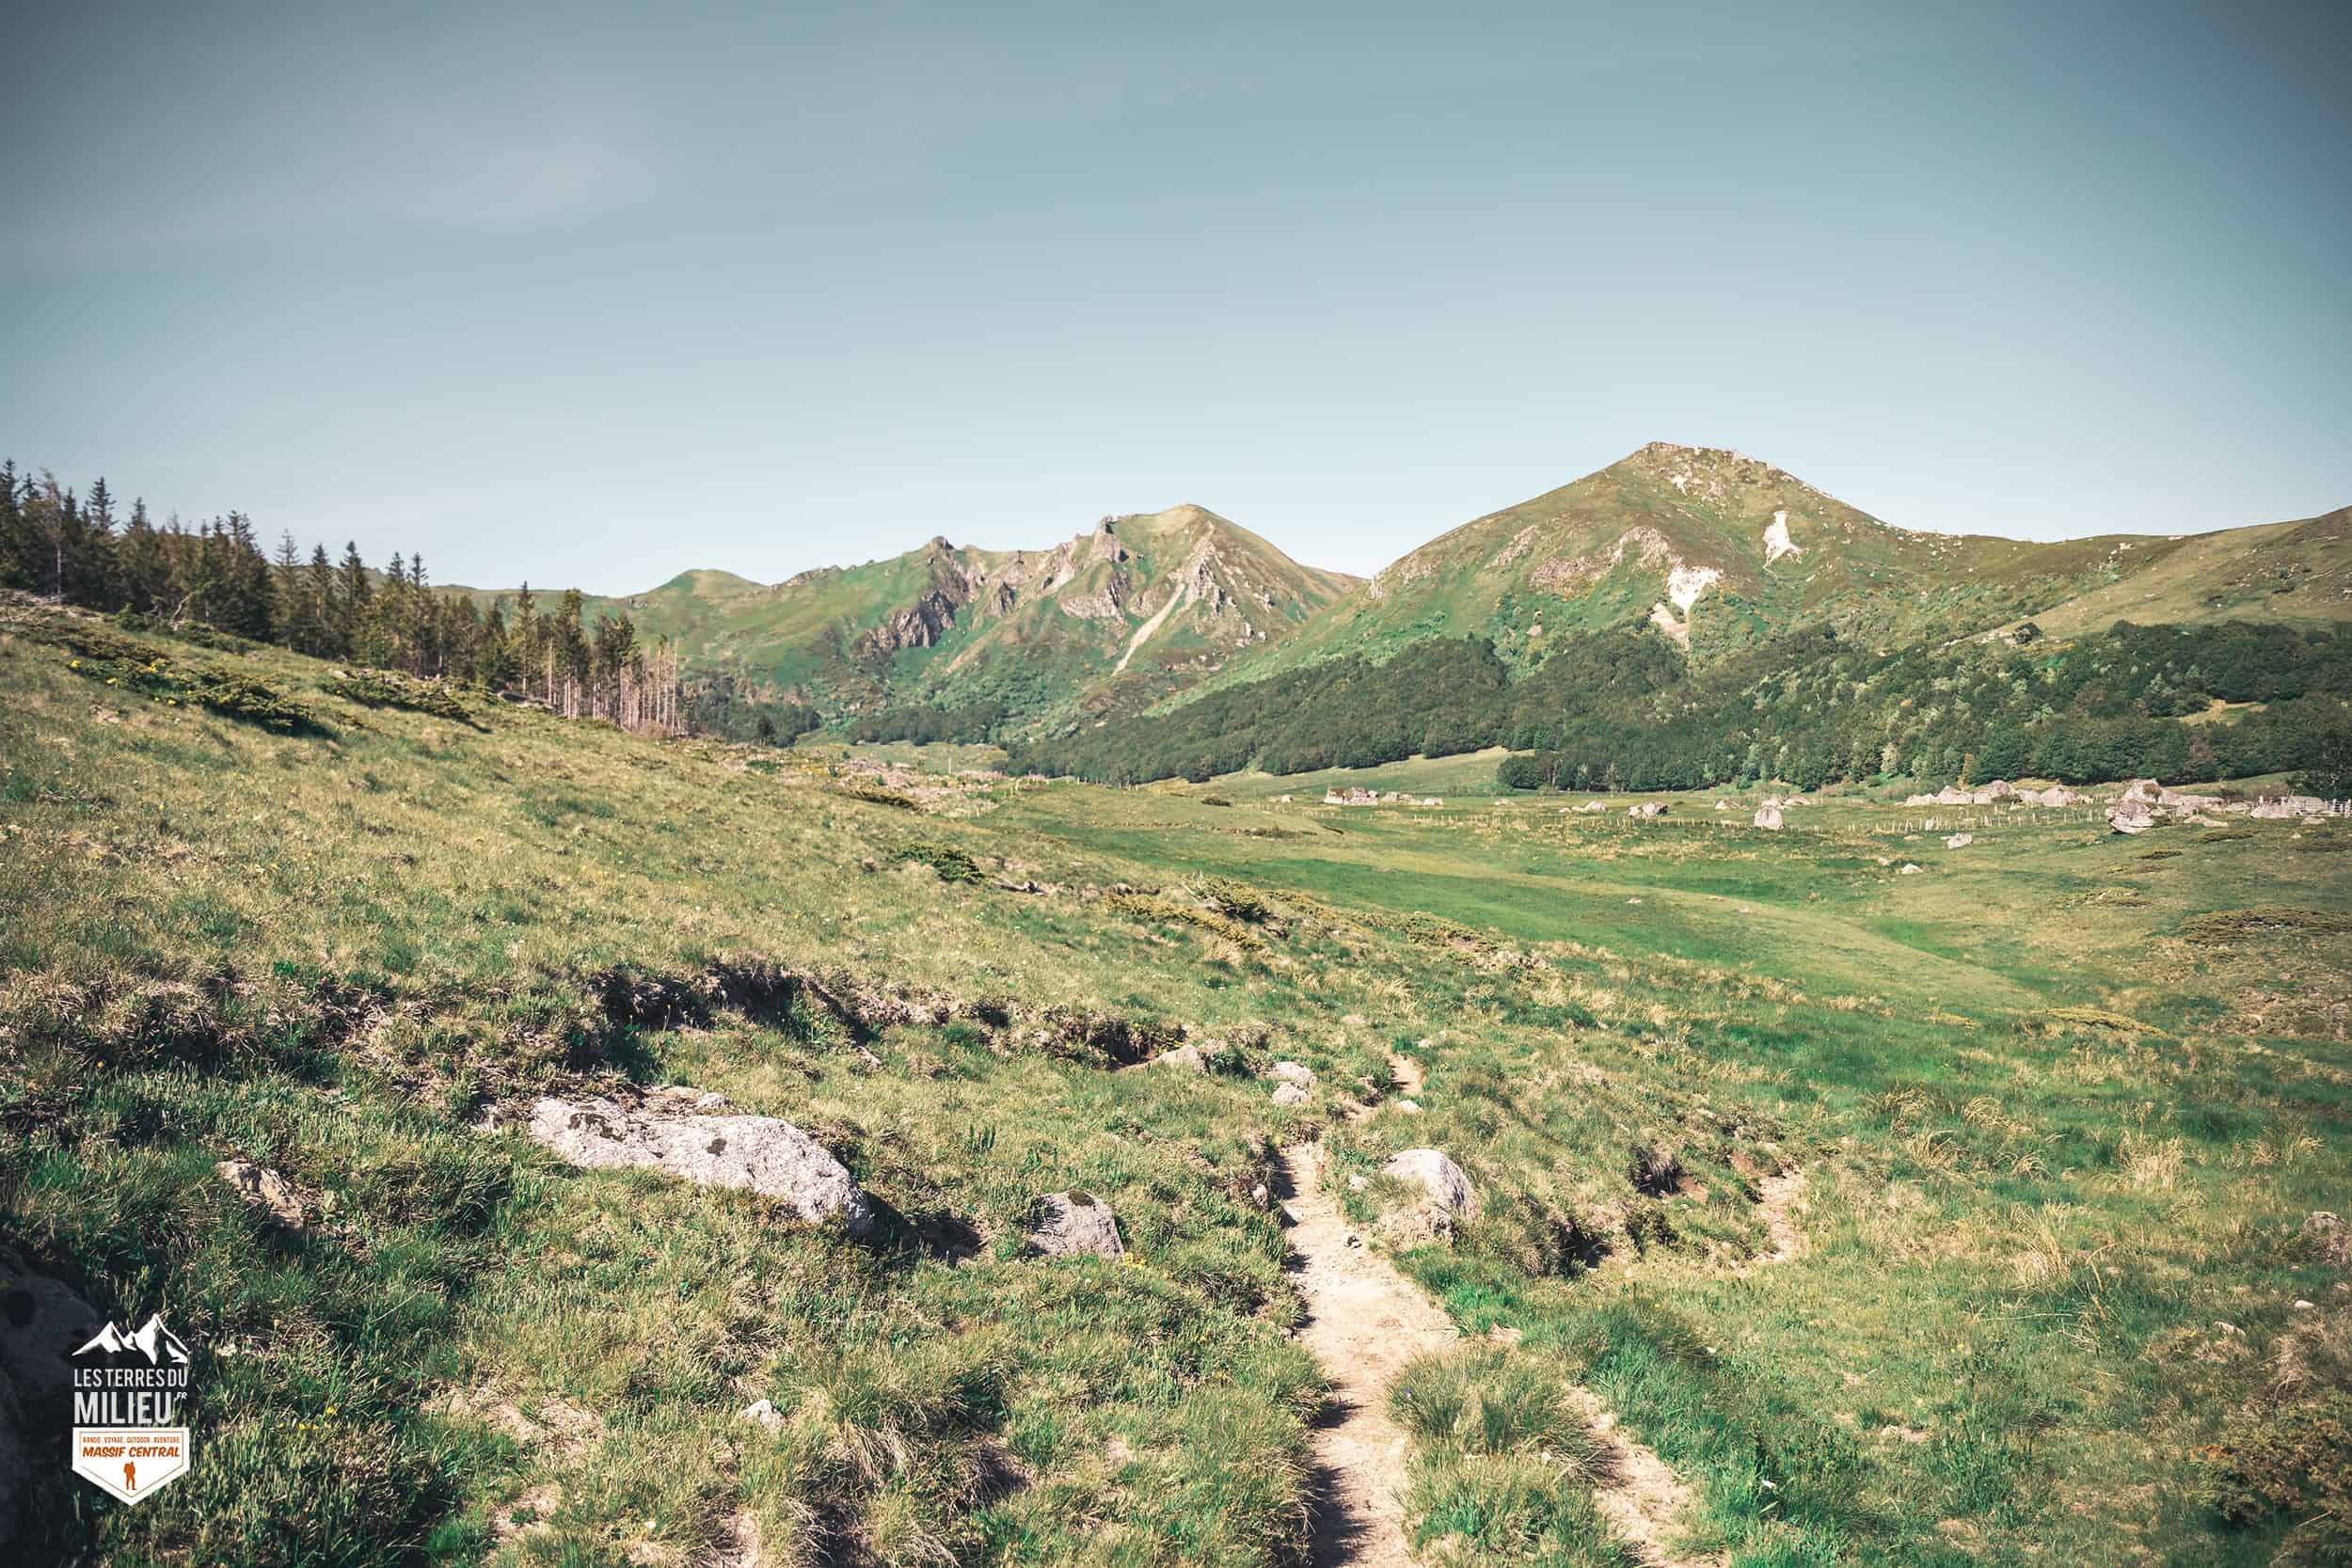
x,y
268,1191
42,1323
764,1154
1768,816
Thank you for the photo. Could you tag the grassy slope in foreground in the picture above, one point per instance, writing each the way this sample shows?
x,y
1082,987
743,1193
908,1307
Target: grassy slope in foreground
x,y
2051,1142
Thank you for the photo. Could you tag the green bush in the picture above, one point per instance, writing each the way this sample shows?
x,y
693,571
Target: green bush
x,y
952,863
381,688
2291,1462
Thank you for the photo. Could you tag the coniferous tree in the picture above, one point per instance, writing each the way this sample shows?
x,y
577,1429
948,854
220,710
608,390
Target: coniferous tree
x,y
17,542
320,590
352,596
141,563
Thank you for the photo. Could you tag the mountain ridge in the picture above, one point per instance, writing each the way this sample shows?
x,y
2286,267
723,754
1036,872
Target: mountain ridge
x,y
1710,549
1112,619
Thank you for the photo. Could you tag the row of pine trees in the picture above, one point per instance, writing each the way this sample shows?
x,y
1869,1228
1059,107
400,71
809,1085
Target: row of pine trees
x,y
75,548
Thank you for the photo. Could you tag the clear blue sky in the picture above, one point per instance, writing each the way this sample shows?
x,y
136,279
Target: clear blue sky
x,y
598,295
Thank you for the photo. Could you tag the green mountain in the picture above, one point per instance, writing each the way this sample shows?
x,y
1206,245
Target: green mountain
x,y
1718,552
1108,622
1691,617
1710,554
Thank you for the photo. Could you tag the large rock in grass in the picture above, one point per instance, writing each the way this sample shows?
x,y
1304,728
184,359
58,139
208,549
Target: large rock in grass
x,y
1075,1224
1768,816
42,1323
2132,816
765,1154
1450,1193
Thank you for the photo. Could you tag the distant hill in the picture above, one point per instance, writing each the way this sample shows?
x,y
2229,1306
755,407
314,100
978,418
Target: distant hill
x,y
1718,552
1710,554
1691,617
1110,620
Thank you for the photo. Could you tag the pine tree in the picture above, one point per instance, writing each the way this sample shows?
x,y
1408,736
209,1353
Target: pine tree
x,y
16,540
352,598
320,590
142,567
298,625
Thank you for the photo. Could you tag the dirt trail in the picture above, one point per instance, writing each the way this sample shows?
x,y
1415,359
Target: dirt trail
x,y
1779,1197
1639,1493
1365,1322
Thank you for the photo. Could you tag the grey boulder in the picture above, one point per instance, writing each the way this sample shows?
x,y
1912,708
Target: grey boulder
x,y
42,1323
1449,1191
1075,1224
763,1154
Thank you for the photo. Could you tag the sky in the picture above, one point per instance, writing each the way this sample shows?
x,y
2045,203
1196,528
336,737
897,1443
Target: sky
x,y
598,295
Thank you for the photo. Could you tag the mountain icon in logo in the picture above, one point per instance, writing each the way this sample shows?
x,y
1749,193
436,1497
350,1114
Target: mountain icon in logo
x,y
151,1339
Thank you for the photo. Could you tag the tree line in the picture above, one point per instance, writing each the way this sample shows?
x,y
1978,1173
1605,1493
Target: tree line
x,y
1624,710
81,550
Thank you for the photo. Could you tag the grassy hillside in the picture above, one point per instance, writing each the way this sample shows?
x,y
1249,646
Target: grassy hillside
x,y
2297,573
2058,1107
1718,552
1109,621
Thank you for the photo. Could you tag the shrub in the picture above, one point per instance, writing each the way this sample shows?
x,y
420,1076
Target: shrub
x,y
1144,906
380,689
1647,1225
1238,900
1654,1172
858,789
952,863
2292,1462
211,637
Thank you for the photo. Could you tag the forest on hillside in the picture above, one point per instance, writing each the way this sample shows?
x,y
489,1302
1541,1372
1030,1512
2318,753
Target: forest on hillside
x,y
216,582
1624,710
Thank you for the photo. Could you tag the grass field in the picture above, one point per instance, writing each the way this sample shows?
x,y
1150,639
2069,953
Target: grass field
x,y
2055,1110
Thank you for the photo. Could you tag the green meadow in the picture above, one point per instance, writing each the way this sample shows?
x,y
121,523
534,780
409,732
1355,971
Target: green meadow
x,y
1954,1217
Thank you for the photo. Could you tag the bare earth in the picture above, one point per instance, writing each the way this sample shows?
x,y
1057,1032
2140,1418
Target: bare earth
x,y
1365,1322
1780,1197
1640,1495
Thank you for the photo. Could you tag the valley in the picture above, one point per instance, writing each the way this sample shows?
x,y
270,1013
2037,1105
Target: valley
x,y
1811,1211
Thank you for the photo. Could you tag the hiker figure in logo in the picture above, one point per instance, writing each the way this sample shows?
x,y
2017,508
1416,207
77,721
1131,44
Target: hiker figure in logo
x,y
129,1476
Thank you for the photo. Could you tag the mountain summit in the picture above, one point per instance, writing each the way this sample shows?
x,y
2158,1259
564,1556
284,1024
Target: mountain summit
x,y
1110,620
1717,551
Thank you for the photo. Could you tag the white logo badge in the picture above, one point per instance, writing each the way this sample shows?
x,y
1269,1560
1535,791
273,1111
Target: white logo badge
x,y
127,1389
